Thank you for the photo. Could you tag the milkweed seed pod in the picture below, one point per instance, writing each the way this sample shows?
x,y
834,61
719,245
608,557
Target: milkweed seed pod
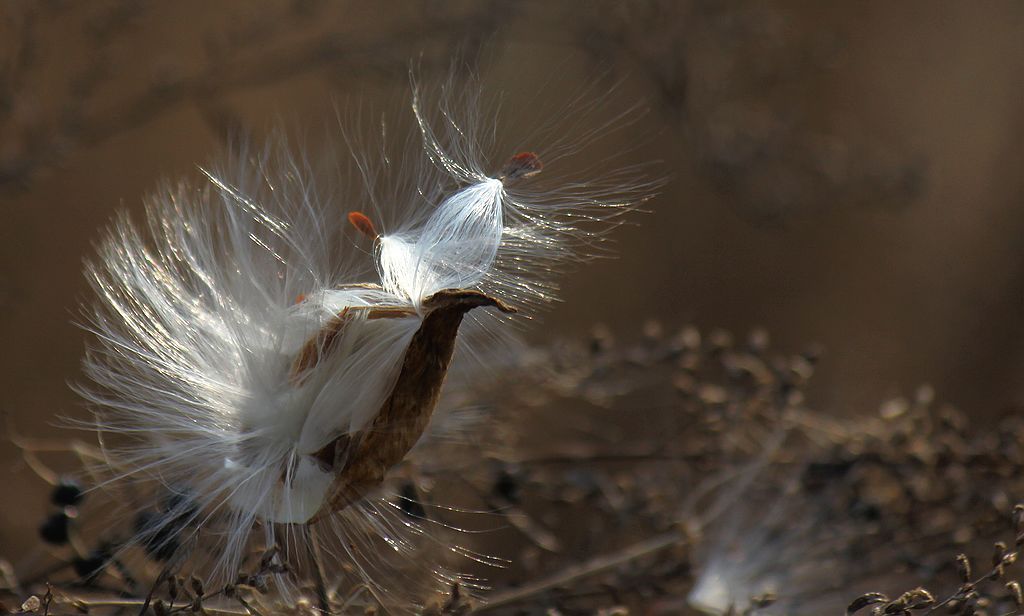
x,y
270,369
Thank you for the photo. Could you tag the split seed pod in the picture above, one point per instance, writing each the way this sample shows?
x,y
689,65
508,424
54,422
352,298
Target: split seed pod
x,y
268,370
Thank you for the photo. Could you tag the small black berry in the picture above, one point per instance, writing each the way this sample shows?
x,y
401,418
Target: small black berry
x,y
68,493
55,530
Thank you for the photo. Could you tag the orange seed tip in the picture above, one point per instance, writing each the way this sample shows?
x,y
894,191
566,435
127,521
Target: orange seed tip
x,y
363,224
522,165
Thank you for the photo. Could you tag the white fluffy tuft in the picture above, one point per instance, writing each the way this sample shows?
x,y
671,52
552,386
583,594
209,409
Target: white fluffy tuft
x,y
202,316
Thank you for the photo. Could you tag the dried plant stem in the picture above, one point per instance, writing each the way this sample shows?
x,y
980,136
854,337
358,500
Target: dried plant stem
x,y
967,586
90,603
592,567
313,546
159,580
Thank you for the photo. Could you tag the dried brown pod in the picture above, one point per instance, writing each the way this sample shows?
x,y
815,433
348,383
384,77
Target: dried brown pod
x,y
360,461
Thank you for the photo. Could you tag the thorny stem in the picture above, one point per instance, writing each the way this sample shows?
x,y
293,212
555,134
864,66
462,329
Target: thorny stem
x,y
313,547
592,567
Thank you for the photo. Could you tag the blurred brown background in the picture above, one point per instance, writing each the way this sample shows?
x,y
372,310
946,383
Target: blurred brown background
x,y
848,175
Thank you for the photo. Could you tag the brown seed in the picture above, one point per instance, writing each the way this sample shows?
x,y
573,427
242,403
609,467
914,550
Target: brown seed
x,y
363,224
520,166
